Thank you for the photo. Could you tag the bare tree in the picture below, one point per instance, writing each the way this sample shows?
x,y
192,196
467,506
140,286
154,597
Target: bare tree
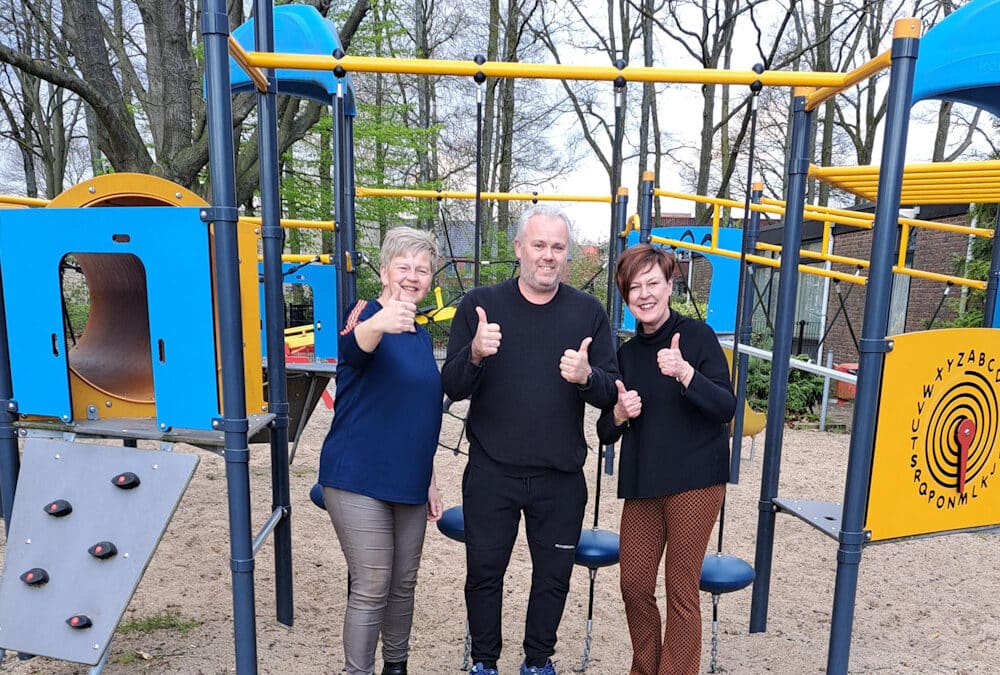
x,y
133,65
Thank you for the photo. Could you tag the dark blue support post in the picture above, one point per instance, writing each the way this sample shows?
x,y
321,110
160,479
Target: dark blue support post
x,y
619,216
991,310
646,207
344,187
350,227
616,246
873,344
10,462
477,226
744,332
341,255
273,237
788,285
233,424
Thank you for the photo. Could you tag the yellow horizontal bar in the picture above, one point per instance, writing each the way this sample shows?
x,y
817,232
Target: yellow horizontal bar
x,y
559,71
23,201
497,196
862,72
324,258
240,56
909,169
934,276
760,260
294,223
817,255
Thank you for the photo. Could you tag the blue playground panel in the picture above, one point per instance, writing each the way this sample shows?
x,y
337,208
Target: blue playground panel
x,y
173,246
721,312
960,58
298,29
322,279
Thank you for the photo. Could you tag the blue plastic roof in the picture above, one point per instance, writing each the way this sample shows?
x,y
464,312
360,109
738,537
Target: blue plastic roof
x,y
959,58
298,29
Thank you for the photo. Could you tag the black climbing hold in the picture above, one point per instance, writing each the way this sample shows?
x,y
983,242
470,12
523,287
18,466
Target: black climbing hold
x,y
103,550
59,508
79,621
126,481
36,576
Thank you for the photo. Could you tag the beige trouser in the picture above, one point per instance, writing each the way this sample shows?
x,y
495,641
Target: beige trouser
x,y
382,542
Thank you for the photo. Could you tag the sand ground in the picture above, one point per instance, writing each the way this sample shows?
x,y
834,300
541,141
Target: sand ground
x,y
924,606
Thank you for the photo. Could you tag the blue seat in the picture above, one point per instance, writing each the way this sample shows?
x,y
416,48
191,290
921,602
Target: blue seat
x,y
597,548
452,523
722,574
725,574
316,495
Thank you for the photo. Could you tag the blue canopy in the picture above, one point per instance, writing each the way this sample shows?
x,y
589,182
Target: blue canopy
x,y
959,58
298,29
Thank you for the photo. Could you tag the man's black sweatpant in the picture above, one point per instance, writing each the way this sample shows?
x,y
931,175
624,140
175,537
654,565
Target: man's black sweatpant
x,y
553,503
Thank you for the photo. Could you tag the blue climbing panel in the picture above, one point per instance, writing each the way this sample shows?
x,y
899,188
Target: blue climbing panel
x,y
173,247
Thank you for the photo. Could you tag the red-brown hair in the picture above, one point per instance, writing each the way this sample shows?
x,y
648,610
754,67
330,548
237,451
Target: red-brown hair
x,y
636,260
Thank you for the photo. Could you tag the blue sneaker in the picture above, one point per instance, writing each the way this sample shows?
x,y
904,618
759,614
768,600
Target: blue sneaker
x,y
547,669
479,670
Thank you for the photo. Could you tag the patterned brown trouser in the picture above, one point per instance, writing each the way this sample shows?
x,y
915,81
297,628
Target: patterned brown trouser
x,y
681,523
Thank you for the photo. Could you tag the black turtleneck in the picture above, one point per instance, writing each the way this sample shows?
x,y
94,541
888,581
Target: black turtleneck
x,y
680,441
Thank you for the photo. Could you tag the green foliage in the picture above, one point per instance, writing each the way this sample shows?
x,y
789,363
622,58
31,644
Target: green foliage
x,y
969,310
805,390
167,620
132,658
693,309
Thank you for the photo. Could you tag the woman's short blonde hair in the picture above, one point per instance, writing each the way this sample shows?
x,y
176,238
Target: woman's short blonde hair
x,y
404,240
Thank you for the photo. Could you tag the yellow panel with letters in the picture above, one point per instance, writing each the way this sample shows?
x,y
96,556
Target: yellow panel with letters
x,y
937,453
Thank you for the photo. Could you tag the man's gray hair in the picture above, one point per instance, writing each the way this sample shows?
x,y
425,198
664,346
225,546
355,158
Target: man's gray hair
x,y
540,210
403,240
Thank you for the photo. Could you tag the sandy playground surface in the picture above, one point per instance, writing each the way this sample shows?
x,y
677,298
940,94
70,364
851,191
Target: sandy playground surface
x,y
925,606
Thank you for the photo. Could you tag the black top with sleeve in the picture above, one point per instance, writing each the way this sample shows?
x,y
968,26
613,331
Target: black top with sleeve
x,y
680,440
523,416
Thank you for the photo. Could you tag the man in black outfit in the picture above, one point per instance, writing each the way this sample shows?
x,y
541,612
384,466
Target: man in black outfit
x,y
529,353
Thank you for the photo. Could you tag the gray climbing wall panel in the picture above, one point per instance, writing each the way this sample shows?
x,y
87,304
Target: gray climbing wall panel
x,y
33,618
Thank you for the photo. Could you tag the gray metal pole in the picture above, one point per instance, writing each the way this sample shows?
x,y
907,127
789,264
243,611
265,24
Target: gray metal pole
x,y
743,335
274,306
233,424
873,344
788,285
826,392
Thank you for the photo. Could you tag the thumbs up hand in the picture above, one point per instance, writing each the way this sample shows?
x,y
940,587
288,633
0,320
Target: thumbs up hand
x,y
486,341
629,405
574,366
672,364
396,315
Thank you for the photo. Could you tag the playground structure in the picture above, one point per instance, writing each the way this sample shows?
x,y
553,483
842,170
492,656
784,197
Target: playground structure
x,y
221,420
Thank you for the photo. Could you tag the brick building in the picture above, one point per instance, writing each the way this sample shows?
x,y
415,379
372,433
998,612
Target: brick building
x,y
915,302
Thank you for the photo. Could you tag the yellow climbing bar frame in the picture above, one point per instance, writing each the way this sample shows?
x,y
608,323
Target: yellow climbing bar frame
x,y
829,216
542,71
496,196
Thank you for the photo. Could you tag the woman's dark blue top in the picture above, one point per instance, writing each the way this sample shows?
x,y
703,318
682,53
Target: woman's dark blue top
x,y
387,416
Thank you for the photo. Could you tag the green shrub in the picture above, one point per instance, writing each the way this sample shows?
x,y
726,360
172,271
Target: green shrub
x,y
805,390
